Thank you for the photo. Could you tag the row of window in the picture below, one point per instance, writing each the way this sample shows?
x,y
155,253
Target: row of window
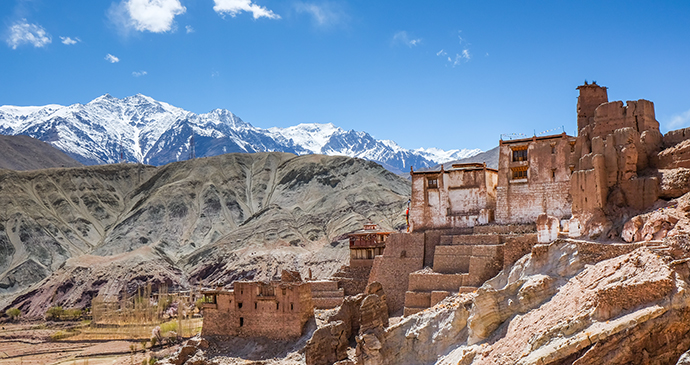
x,y
256,305
520,152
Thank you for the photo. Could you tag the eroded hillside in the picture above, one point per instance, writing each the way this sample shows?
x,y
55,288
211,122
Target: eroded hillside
x,y
199,221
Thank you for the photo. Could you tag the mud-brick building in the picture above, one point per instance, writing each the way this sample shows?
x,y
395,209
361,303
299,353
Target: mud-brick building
x,y
352,279
276,310
534,178
463,196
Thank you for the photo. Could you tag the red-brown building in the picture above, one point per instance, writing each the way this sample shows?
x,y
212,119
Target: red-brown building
x,y
366,243
276,310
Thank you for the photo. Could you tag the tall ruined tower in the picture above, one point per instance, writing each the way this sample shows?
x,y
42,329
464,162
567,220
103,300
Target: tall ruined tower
x,y
591,96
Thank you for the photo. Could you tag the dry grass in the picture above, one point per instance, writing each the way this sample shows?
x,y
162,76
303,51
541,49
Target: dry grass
x,y
185,328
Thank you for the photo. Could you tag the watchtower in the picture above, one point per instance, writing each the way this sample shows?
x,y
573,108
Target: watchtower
x,y
591,96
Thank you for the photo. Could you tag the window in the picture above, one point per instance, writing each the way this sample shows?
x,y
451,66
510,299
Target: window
x,y
292,306
239,305
572,168
210,298
432,183
553,174
241,321
256,305
553,148
519,172
403,254
277,305
572,147
520,153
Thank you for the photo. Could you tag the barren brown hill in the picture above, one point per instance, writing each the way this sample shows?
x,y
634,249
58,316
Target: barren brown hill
x,y
200,221
26,153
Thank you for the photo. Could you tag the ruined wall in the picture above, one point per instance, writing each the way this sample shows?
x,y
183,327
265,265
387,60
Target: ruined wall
x,y
252,310
616,148
521,199
325,294
220,319
403,255
591,96
460,197
353,278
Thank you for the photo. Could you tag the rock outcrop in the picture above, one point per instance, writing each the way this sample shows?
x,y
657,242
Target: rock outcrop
x,y
361,318
566,302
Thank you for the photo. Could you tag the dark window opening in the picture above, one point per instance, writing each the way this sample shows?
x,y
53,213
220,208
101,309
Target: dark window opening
x,y
432,183
553,149
403,254
572,147
292,306
239,304
256,305
520,172
553,174
277,305
520,154
241,321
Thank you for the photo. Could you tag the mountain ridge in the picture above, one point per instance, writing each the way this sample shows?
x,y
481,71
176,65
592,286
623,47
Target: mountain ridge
x,y
141,129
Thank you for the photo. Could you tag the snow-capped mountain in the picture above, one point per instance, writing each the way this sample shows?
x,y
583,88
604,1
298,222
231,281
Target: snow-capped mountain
x,y
141,129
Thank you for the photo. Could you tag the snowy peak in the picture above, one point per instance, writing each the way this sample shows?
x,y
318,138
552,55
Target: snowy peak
x,y
441,156
311,136
141,129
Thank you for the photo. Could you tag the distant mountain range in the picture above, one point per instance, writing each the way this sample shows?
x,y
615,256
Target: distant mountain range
x,y
140,129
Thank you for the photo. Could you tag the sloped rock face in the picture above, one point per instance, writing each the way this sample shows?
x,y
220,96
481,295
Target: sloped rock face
x,y
569,302
235,216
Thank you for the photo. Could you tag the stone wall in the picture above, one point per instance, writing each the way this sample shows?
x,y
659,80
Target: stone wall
x,y
460,197
544,189
403,255
274,310
325,294
517,245
353,278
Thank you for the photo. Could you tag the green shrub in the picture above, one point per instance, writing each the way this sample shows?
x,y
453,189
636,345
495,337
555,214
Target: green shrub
x,y
55,313
59,335
13,313
72,314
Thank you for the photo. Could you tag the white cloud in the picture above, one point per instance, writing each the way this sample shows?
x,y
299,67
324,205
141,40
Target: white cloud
x,y
156,16
234,7
25,33
324,14
461,57
139,73
404,38
679,120
112,59
441,53
189,29
70,41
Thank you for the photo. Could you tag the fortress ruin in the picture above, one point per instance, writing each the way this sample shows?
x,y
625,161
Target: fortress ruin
x,y
469,222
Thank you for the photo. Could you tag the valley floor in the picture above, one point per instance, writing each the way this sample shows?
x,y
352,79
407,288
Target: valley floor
x,y
36,343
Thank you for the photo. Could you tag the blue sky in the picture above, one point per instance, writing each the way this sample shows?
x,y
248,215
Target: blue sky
x,y
446,74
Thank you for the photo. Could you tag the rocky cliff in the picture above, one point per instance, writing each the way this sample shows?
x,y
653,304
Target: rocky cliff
x,y
569,302
67,235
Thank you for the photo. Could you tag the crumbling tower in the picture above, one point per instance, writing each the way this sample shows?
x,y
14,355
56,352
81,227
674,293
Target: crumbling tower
x,y
591,96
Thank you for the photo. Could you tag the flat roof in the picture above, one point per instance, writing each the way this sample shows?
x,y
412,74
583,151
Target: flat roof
x,y
469,168
552,136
